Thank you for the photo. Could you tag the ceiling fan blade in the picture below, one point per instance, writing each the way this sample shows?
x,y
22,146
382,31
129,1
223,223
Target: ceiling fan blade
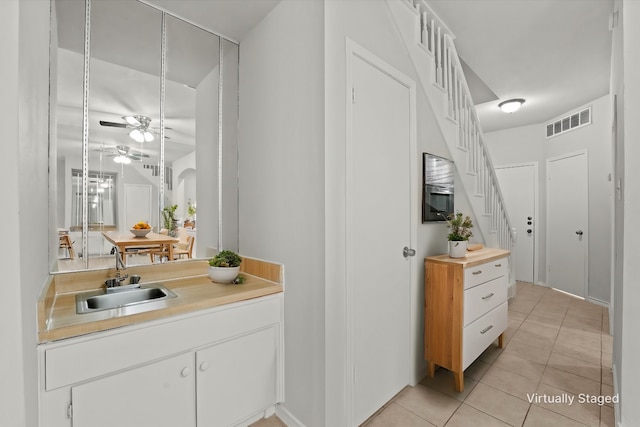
x,y
138,154
113,124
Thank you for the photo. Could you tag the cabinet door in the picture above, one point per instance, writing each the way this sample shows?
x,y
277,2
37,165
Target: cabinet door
x,y
237,378
156,395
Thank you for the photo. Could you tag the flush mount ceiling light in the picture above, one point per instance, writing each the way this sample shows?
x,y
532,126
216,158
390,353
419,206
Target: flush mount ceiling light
x,y
511,105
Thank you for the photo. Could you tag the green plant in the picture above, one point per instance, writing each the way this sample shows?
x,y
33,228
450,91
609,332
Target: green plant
x,y
191,209
225,258
168,213
460,226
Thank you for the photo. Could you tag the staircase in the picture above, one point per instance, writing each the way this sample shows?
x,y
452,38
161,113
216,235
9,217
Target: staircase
x,y
430,45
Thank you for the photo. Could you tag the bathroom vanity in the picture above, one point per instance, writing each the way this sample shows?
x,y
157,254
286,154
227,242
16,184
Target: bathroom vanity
x,y
213,355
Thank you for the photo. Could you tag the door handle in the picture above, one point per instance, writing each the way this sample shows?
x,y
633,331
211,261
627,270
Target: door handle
x,y
579,233
406,252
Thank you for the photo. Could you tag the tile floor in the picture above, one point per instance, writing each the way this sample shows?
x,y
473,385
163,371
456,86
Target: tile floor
x,y
556,346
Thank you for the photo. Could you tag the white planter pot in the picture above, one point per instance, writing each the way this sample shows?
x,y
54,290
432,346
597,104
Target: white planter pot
x,y
223,274
458,249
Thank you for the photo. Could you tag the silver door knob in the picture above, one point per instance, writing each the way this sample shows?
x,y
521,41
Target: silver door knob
x,y
579,233
406,252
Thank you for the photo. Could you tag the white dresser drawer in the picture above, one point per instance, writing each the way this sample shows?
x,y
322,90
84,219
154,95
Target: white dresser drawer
x,y
480,334
483,298
484,272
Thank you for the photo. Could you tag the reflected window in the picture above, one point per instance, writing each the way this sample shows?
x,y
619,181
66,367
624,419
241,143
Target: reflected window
x,y
101,200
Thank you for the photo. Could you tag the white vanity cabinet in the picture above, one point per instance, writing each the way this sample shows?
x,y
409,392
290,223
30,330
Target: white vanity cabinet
x,y
247,367
217,367
160,394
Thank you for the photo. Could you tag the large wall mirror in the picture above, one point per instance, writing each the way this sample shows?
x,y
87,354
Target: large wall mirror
x,y
144,110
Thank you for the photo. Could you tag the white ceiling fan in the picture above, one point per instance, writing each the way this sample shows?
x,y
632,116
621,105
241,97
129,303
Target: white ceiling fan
x,y
124,154
140,127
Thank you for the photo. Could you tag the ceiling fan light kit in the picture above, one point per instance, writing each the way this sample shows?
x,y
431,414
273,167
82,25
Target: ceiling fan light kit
x,y
122,159
141,136
511,105
139,124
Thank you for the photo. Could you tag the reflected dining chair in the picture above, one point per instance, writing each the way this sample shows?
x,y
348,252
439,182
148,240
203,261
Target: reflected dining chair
x,y
179,250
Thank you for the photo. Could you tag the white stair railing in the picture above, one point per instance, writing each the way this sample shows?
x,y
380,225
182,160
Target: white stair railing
x,y
435,39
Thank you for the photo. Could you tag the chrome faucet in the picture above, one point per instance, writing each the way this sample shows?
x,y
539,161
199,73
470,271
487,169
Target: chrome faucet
x,y
120,267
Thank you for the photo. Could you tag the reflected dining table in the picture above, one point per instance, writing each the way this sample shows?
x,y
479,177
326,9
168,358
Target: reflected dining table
x,y
124,240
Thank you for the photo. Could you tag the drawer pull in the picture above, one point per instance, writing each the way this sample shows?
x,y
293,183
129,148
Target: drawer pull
x,y
498,265
486,297
477,272
485,330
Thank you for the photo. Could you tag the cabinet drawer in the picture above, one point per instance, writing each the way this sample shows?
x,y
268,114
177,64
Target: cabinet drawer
x,y
481,333
483,298
484,272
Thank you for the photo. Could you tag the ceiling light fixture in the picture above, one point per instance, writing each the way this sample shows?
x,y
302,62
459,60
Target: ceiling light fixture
x,y
511,105
141,135
122,159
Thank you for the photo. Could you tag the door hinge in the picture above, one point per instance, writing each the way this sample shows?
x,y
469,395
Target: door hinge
x,y
70,411
353,95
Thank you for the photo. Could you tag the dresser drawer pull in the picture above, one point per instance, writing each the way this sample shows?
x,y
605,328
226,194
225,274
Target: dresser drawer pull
x,y
498,265
486,297
477,272
485,330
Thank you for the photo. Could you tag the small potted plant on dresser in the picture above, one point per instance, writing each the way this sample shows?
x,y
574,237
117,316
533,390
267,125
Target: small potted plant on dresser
x,y
224,267
460,230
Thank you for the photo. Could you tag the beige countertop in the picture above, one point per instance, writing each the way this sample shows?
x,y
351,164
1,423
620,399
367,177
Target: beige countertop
x,y
57,318
473,258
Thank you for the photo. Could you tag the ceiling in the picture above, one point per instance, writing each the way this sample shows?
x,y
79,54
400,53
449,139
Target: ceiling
x,y
553,53
232,19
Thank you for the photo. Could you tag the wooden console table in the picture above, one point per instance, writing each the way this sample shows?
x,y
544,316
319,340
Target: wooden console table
x,y
465,308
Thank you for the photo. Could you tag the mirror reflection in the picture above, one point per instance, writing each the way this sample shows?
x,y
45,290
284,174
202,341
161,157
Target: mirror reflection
x,y
153,154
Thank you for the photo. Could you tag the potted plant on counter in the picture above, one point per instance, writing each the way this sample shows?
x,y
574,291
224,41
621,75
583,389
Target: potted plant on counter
x,y
460,230
224,267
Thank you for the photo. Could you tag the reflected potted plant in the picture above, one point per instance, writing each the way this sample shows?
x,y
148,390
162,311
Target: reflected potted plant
x,y
191,215
460,230
224,267
170,221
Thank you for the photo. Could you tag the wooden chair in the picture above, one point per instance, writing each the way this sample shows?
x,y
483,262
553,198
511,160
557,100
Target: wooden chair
x,y
179,250
66,243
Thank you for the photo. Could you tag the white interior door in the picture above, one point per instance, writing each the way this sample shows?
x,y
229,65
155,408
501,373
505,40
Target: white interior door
x,y
518,184
379,209
137,204
567,219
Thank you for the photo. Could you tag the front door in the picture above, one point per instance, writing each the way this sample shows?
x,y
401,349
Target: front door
x,y
518,187
379,196
567,207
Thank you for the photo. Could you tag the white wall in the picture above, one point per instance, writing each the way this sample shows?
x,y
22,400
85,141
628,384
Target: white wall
x,y
528,144
629,372
281,172
12,387
24,108
617,300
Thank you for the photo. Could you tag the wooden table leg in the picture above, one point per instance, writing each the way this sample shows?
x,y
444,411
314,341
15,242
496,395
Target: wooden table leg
x,y
170,245
459,379
501,340
431,369
123,253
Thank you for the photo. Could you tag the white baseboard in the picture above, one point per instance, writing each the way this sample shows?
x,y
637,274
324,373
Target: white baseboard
x,y
287,417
